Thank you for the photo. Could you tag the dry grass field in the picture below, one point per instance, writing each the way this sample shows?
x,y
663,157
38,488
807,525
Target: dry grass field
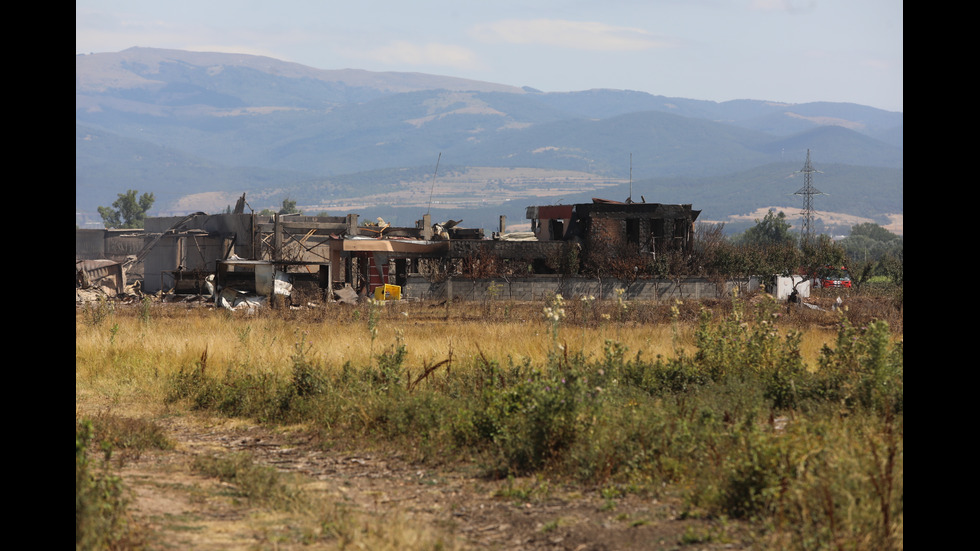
x,y
414,425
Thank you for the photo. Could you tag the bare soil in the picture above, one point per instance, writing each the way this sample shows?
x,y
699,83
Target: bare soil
x,y
176,507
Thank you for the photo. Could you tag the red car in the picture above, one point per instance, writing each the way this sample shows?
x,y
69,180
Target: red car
x,y
832,276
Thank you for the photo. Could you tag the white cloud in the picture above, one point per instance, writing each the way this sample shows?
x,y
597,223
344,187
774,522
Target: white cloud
x,y
581,35
434,54
790,6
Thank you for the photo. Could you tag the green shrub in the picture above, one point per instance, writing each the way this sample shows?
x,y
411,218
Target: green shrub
x,y
864,369
533,421
101,505
96,314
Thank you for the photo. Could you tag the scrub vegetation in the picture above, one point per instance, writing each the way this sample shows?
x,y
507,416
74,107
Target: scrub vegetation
x,y
768,425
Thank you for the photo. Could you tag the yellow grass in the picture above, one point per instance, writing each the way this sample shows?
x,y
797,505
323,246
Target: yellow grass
x,y
124,359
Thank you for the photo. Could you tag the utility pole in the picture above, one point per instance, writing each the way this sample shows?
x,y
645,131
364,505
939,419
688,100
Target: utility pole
x,y
807,191
629,199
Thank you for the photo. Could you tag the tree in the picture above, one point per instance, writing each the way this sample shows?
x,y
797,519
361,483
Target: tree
x,y
870,242
771,230
127,211
823,251
872,231
289,207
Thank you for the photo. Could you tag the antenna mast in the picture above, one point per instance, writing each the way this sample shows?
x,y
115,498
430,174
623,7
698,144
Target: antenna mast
x,y
808,191
433,183
630,199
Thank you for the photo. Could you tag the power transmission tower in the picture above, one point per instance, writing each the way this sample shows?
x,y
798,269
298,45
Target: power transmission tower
x,y
808,191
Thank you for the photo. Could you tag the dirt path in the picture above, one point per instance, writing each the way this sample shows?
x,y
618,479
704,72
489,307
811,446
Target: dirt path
x,y
398,503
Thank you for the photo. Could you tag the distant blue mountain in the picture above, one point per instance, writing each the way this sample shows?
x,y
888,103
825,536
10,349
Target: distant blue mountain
x,y
178,123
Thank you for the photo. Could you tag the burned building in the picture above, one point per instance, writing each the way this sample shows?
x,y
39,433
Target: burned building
x,y
646,228
327,254
181,252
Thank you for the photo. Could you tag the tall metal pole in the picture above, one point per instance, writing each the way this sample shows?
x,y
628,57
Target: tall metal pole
x,y
427,210
630,199
807,191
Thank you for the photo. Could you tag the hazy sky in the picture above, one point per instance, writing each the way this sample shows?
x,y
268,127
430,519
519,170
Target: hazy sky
x,y
780,50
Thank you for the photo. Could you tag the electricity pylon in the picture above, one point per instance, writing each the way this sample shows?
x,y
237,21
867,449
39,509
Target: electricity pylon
x,y
807,191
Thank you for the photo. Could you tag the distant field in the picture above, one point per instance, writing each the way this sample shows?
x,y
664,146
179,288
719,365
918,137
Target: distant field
x,y
478,186
490,186
830,219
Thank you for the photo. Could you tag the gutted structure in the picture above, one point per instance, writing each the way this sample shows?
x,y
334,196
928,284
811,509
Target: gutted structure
x,y
327,254
182,252
645,227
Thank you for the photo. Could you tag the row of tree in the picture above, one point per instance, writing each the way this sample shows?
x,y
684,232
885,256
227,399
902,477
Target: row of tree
x,y
768,247
870,251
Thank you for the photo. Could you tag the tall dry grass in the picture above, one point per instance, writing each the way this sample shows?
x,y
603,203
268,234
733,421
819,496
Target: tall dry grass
x,y
125,357
690,419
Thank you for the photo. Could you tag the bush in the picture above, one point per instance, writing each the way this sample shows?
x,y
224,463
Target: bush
x,y
101,514
741,425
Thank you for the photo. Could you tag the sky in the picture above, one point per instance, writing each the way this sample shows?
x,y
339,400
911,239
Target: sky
x,y
791,51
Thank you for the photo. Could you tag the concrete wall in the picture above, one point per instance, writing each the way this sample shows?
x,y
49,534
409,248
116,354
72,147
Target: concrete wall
x,y
190,252
223,224
118,247
89,244
541,287
112,244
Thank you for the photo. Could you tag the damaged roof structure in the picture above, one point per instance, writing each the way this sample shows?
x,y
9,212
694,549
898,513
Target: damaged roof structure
x,y
327,253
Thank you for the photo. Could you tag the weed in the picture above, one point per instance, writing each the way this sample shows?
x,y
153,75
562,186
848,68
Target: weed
x,y
101,505
551,526
525,490
736,423
243,334
129,434
374,312
532,422
588,311
554,313
144,312
253,481
675,314
389,371
101,311
694,536
493,293
865,368
307,380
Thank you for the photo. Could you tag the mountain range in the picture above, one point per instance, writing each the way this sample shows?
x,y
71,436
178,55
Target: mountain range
x,y
200,129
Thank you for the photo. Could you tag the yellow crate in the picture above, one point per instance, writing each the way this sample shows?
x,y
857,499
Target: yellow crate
x,y
388,292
